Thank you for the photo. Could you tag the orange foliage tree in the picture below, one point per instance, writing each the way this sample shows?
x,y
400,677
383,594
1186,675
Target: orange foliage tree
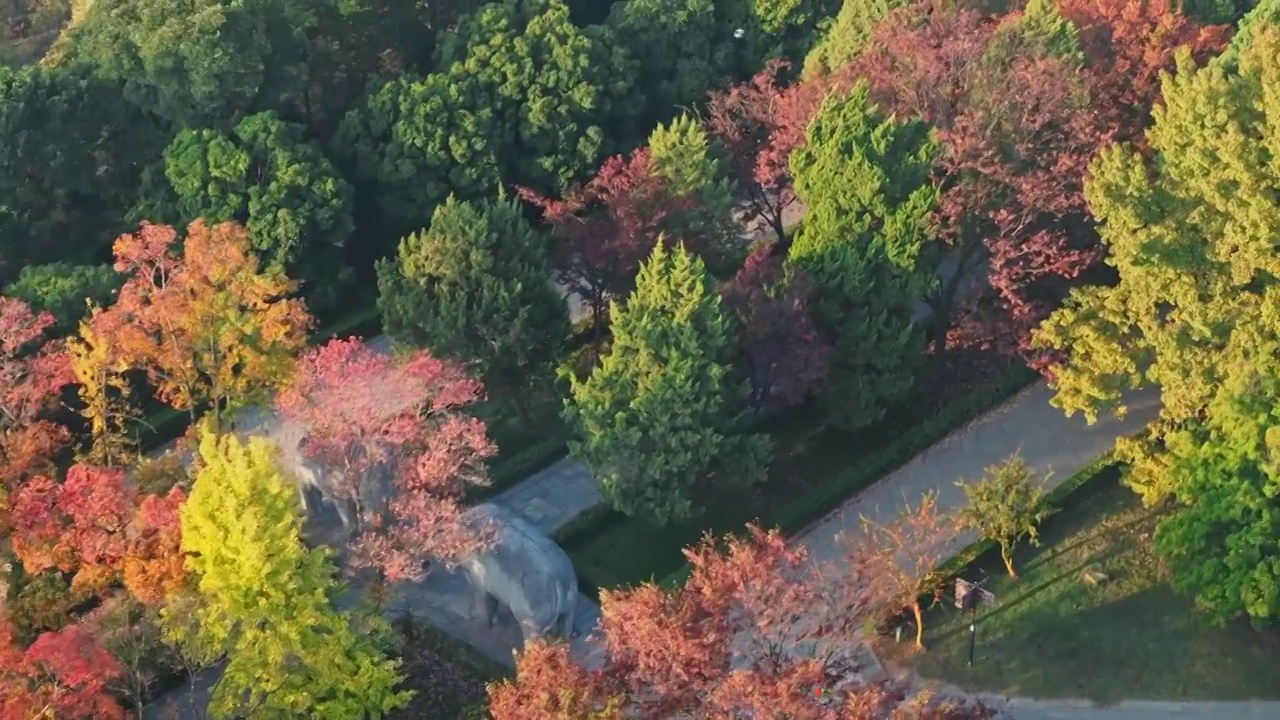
x,y
896,563
752,634
97,526
208,326
63,675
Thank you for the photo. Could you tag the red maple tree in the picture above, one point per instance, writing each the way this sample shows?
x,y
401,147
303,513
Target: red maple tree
x,y
782,354
1017,133
33,371
62,675
368,416
1127,44
759,123
723,645
96,525
608,227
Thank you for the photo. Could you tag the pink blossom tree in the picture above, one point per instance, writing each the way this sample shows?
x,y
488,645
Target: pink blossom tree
x,y
367,416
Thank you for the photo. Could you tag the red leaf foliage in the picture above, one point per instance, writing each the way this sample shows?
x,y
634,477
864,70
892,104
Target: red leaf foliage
x,y
1017,135
1128,43
608,227
33,372
368,415
95,525
721,646
61,675
782,353
759,122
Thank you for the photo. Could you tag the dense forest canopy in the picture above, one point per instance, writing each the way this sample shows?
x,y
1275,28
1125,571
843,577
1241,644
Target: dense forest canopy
x,y
768,213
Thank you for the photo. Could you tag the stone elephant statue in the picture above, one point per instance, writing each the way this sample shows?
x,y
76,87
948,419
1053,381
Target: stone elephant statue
x,y
318,484
524,570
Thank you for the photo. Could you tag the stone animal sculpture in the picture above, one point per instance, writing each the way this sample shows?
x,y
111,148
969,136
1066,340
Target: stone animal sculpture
x,y
318,484
523,570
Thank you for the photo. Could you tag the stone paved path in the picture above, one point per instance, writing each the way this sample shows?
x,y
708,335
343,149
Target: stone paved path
x,y
1047,439
1022,709
553,496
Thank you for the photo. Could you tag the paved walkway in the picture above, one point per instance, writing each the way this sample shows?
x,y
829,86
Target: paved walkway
x,y
1048,440
553,496
1023,709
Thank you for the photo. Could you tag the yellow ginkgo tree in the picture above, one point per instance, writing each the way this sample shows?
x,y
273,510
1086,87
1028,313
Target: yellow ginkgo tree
x,y
265,602
1191,229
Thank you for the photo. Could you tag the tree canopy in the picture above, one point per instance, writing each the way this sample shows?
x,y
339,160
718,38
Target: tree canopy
x,y
659,419
266,176
475,287
69,166
867,247
1190,246
522,96
199,317
265,601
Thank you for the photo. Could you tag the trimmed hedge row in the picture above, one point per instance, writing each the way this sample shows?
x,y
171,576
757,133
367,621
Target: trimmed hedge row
x,y
507,471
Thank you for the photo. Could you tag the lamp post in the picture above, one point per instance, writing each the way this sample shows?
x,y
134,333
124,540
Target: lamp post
x,y
968,597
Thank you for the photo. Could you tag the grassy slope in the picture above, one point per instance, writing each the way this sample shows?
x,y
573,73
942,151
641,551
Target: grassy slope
x,y
1055,635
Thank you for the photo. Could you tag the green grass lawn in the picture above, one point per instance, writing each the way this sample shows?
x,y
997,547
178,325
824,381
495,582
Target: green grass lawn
x,y
1055,635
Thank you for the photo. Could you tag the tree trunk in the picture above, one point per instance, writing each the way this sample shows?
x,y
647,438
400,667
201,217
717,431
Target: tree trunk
x,y
780,228
1007,556
915,610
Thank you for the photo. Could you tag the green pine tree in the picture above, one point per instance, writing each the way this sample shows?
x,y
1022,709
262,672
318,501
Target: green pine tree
x,y
682,154
474,287
867,247
659,419
1264,14
264,601
846,36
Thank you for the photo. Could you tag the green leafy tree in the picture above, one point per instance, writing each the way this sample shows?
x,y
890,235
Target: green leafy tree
x,y
1041,31
682,156
265,601
867,248
474,287
844,38
689,47
1190,236
1222,545
264,174
684,47
659,419
61,289
1264,14
523,97
1005,506
211,63
69,166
